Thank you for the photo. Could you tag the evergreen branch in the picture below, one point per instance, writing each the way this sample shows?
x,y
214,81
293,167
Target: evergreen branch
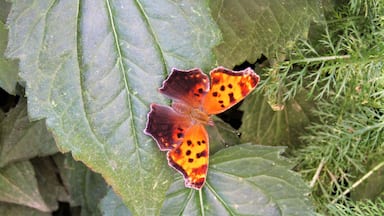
x,y
360,208
358,182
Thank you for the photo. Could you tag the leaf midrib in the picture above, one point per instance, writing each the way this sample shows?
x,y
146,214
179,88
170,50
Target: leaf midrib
x,y
124,73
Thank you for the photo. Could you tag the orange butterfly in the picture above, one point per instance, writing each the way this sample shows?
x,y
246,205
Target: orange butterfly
x,y
180,129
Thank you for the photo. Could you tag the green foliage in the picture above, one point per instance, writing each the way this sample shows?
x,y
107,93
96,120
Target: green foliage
x,y
8,68
342,71
18,185
12,209
90,70
21,139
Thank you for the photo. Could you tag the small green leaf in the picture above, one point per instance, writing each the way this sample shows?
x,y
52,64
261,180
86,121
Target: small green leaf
x,y
5,7
2,115
8,68
18,185
221,135
252,28
111,204
85,188
49,184
21,139
243,180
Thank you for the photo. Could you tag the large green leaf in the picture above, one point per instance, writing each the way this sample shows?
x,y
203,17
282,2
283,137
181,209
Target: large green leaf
x,y
282,126
18,185
254,27
111,204
93,67
243,180
12,209
21,139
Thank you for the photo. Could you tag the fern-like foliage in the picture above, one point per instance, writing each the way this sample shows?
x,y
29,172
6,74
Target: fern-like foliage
x,y
343,73
360,208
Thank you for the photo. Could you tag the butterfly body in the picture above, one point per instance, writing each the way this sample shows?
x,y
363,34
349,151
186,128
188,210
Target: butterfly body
x,y
180,129
196,114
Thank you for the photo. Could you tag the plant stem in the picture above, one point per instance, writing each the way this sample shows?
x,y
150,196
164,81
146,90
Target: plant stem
x,y
317,174
201,203
322,58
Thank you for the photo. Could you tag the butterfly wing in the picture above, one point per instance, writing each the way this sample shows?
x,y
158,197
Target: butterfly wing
x,y
188,87
228,88
190,157
166,126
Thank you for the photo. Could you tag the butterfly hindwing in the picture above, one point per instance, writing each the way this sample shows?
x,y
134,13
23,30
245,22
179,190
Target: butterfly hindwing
x,y
190,157
166,126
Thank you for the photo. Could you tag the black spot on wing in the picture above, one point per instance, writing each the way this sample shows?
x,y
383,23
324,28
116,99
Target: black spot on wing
x,y
231,98
201,154
215,80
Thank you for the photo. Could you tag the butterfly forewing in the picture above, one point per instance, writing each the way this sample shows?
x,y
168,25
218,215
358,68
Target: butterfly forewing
x,y
228,88
188,86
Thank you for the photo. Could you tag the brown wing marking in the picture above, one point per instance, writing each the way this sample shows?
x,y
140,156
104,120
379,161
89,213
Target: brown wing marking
x,y
166,126
188,86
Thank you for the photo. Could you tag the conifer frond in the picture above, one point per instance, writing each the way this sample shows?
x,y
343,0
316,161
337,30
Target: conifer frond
x,y
360,208
344,75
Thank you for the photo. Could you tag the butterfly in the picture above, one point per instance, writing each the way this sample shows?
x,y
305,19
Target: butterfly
x,y
180,129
